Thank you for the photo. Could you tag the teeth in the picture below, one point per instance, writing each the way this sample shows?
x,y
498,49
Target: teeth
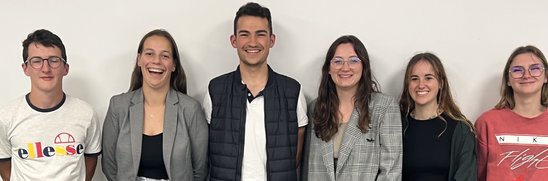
x,y
252,51
155,70
422,92
344,76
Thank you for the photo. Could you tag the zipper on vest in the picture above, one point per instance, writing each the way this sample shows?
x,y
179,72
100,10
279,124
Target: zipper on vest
x,y
242,138
266,143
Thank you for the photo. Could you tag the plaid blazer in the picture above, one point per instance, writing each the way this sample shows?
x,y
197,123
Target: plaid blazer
x,y
375,155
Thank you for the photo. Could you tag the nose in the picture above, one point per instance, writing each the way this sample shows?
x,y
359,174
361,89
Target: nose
x,y
527,74
252,40
345,65
45,66
421,83
156,59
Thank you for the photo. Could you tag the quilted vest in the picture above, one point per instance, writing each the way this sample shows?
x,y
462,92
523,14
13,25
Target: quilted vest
x,y
227,127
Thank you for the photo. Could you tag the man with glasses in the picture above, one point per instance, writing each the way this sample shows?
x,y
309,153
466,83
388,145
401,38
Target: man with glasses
x,y
47,134
256,115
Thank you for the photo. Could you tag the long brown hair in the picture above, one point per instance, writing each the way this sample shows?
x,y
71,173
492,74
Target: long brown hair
x,y
327,105
177,79
444,97
506,91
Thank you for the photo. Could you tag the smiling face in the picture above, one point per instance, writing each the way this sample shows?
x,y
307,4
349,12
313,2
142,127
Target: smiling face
x,y
252,40
527,85
156,62
347,76
45,79
423,84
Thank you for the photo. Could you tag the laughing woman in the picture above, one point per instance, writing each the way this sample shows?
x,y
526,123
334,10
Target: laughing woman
x,y
438,141
356,131
155,131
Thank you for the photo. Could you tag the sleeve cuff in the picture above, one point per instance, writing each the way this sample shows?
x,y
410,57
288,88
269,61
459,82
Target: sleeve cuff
x,y
93,154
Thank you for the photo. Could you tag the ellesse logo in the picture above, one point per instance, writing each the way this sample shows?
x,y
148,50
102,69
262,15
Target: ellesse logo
x,y
63,138
65,145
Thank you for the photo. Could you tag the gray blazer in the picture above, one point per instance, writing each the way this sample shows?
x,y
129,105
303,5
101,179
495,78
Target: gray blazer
x,y
185,137
375,155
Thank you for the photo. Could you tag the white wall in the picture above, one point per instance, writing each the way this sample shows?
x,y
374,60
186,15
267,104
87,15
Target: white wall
x,y
473,38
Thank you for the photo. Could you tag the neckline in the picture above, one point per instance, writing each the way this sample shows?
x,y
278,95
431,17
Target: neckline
x,y
156,135
412,115
528,118
424,120
27,98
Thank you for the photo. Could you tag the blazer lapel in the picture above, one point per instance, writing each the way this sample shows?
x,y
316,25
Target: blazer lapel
x,y
136,111
327,154
170,127
351,135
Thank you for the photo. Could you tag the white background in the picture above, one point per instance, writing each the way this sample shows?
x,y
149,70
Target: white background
x,y
473,39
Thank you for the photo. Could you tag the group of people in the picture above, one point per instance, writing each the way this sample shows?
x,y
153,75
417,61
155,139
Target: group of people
x,y
254,123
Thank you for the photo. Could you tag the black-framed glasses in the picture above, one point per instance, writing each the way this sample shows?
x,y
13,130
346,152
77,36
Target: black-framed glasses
x,y
338,62
38,62
535,70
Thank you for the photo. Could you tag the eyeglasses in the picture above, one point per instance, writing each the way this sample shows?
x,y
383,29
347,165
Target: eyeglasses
x,y
535,70
38,62
338,63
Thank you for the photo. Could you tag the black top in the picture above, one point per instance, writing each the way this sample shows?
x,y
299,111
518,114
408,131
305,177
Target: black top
x,y
152,158
425,155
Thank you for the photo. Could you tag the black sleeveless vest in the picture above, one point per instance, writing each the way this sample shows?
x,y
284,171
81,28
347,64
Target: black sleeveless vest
x,y
227,127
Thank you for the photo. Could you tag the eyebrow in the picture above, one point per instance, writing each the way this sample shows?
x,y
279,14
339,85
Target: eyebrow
x,y
247,31
243,31
348,57
162,51
535,64
414,75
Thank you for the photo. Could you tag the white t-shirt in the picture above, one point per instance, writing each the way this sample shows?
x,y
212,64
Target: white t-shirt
x,y
48,144
254,159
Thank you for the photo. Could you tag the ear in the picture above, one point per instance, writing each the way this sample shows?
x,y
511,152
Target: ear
x,y
25,68
66,69
441,86
233,41
138,59
272,40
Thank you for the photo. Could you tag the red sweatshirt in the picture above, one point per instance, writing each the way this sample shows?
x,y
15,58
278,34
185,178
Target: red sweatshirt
x,y
512,147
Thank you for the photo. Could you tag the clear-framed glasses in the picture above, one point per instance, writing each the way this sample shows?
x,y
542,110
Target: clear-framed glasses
x,y
535,70
352,62
38,62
